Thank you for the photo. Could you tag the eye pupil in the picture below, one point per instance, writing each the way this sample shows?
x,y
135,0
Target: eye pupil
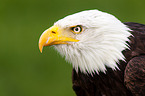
x,y
76,29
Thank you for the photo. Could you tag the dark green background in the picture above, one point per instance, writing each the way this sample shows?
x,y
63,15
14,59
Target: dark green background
x,y
24,71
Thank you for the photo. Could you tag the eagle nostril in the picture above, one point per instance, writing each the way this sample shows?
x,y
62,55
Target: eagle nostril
x,y
53,32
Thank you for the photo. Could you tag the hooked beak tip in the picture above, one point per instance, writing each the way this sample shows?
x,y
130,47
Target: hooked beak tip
x,y
40,48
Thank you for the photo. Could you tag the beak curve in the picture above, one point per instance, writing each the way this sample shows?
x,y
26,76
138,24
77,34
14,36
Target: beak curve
x,y
52,36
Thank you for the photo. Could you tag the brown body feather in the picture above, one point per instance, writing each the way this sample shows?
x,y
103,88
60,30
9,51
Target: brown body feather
x,y
128,81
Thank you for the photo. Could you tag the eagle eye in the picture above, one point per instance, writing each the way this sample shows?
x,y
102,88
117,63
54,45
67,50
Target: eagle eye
x,y
76,29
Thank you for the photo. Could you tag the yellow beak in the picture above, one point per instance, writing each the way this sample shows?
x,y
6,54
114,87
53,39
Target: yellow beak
x,y
54,35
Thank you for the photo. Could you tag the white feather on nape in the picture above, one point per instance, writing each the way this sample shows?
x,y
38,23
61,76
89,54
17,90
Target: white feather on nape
x,y
101,42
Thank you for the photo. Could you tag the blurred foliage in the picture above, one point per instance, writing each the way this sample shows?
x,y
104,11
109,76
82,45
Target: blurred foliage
x,y
24,71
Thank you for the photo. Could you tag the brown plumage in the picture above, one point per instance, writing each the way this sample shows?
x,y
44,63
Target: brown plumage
x,y
128,81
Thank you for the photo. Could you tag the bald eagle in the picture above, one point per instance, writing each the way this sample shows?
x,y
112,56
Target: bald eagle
x,y
108,56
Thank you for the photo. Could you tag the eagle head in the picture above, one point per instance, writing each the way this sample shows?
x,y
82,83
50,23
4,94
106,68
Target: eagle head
x,y
90,40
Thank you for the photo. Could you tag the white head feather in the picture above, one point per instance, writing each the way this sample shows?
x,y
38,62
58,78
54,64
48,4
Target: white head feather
x,y
101,43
